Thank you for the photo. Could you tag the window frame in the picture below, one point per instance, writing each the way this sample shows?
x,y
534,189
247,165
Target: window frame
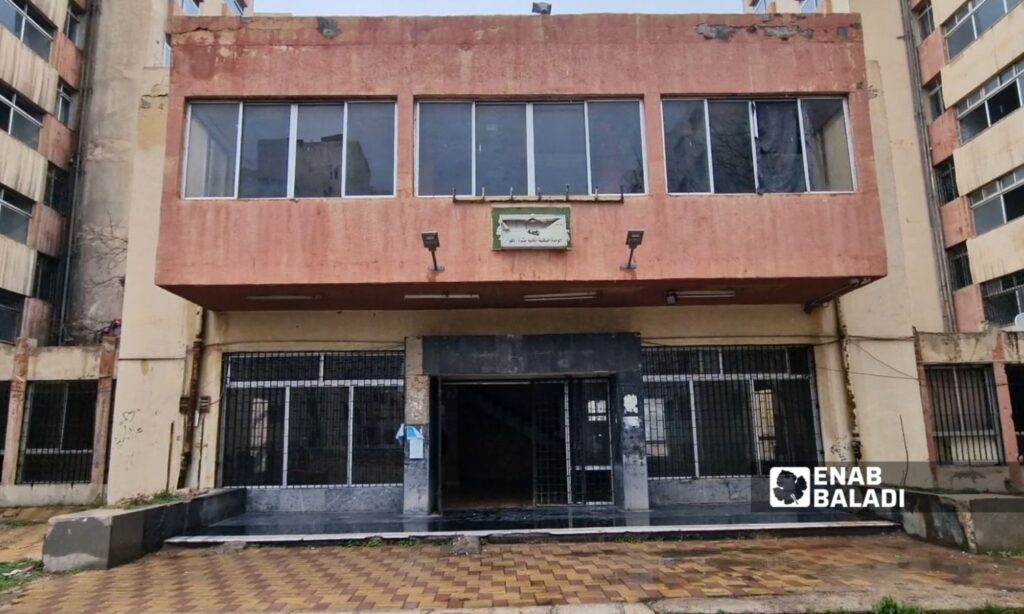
x,y
7,299
67,99
810,6
959,266
47,30
921,16
1009,182
531,175
236,6
9,207
76,17
189,5
292,148
1016,288
967,12
18,106
1010,77
752,109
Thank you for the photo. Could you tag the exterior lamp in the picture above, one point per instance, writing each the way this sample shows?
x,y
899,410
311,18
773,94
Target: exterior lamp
x,y
432,241
634,238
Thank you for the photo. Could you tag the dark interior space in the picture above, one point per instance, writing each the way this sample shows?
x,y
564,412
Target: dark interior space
x,y
487,446
1015,379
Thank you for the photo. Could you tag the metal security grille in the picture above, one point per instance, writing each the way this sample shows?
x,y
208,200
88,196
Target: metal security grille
x,y
312,419
965,415
590,424
5,395
729,411
550,435
57,437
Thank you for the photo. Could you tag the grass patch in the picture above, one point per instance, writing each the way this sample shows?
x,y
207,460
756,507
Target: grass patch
x,y
159,498
1007,554
891,606
16,524
13,575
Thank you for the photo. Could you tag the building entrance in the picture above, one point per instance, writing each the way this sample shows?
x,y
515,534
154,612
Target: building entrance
x,y
525,443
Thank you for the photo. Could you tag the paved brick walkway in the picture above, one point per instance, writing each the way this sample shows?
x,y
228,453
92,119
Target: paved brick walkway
x,y
345,579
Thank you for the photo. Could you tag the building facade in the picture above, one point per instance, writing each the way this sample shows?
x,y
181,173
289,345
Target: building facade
x,y
962,76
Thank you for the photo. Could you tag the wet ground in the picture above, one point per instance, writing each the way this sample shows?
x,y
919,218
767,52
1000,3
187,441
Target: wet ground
x,y
513,519
806,573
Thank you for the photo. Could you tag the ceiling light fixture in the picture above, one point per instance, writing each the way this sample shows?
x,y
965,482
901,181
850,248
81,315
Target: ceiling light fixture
x,y
560,296
442,297
284,297
678,294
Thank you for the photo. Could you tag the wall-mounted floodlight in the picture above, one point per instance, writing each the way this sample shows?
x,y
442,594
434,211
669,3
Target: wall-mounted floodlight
x,y
432,241
542,8
634,238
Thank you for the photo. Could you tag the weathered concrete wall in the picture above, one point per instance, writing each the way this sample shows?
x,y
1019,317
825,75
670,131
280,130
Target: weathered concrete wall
x,y
17,265
984,58
999,251
974,523
991,154
808,244
664,492
19,495
384,499
26,72
21,168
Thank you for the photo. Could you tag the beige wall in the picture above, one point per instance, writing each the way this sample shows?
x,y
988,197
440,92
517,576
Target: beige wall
x,y
17,262
55,10
21,168
29,74
994,51
991,154
998,252
944,9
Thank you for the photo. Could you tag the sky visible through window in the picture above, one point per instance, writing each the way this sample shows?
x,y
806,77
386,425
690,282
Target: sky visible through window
x,y
490,7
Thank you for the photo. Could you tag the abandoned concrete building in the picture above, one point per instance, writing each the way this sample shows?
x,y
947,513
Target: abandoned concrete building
x,y
427,264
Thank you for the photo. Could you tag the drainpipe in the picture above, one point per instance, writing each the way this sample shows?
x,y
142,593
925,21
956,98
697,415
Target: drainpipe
x,y
190,403
934,218
88,61
851,398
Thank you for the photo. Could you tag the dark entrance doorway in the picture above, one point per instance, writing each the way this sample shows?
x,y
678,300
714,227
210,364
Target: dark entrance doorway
x,y
525,443
1015,379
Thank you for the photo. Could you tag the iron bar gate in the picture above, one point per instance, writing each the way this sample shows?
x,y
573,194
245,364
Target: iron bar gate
x,y
312,419
729,411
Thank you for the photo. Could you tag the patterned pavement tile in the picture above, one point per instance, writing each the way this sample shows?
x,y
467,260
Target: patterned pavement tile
x,y
427,576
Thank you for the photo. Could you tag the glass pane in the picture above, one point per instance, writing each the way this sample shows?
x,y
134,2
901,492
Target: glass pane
x,y
827,145
10,319
445,147
686,146
988,216
14,223
988,14
371,149
25,130
1014,203
732,154
501,149
779,152
37,40
1001,309
960,38
1003,103
616,147
10,18
560,148
318,436
211,151
973,123
5,114
318,150
265,140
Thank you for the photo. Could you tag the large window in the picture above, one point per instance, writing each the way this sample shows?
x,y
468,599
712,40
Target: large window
x,y
15,214
945,180
973,19
5,396
312,419
11,306
73,26
19,117
925,21
28,24
936,103
965,415
1001,96
959,266
1003,298
66,104
728,411
467,148
998,202
740,146
59,194
289,150
58,433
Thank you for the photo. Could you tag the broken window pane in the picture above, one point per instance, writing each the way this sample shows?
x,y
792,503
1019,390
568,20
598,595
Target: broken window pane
x,y
686,146
732,155
616,147
445,149
318,150
370,165
973,123
779,152
1003,102
560,148
827,145
265,143
211,150
501,149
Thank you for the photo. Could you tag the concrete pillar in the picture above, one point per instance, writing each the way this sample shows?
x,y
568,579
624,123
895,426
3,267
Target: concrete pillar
x,y
104,405
632,492
23,349
1006,411
416,483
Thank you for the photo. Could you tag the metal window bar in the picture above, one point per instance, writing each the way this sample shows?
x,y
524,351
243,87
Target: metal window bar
x,y
57,435
729,411
1003,298
965,415
312,419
